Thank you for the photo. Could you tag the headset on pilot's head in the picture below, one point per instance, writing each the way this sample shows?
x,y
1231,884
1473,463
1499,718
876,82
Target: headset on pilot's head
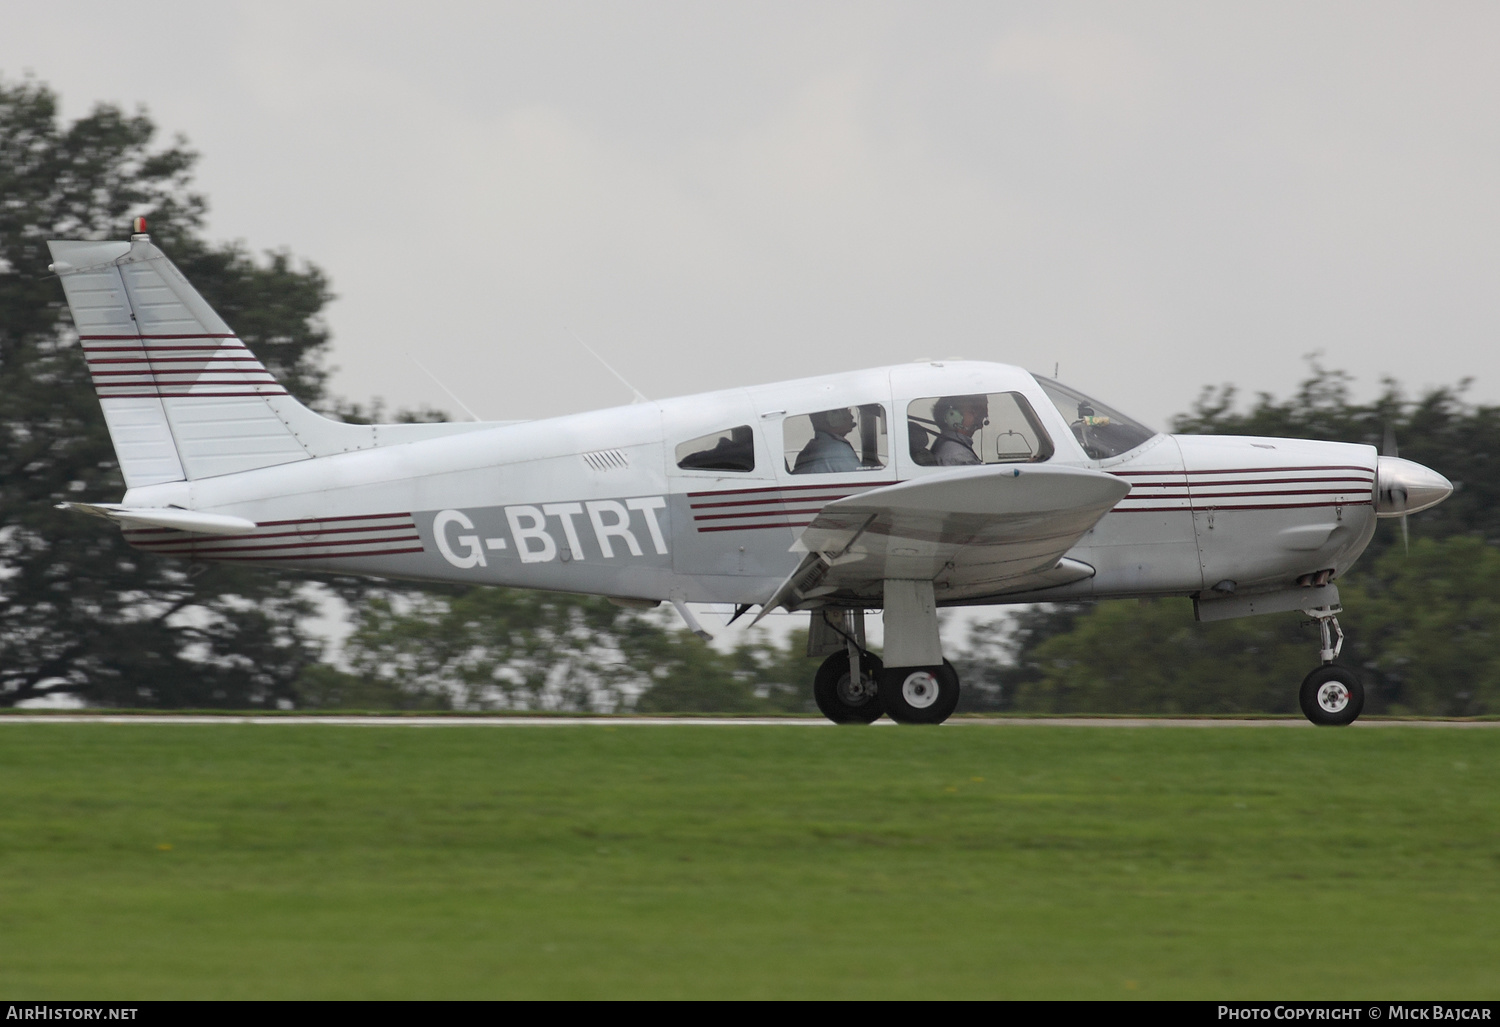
x,y
949,411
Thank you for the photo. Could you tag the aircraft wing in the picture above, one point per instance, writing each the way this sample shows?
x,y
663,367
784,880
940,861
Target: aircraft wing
x,y
971,531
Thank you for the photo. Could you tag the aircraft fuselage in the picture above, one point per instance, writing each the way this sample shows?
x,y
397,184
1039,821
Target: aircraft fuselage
x,y
599,502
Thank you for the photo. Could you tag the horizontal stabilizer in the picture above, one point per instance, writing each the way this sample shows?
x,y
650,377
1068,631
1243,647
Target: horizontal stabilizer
x,y
165,517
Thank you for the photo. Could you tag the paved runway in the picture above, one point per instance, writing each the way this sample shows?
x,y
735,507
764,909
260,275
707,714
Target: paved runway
x,y
545,721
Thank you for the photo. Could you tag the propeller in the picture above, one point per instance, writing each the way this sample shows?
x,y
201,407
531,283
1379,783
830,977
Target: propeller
x,y
1398,495
1403,487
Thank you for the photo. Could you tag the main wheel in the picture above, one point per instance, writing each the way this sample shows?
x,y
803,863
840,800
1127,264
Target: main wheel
x,y
845,699
1332,696
919,695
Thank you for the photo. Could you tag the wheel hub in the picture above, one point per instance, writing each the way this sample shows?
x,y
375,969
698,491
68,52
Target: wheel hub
x,y
920,690
1333,697
855,690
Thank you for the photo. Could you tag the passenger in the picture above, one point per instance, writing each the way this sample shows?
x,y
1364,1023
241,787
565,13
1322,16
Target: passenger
x,y
958,418
828,451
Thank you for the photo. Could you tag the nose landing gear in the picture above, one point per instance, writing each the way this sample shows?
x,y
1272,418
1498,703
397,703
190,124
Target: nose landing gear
x,y
1331,696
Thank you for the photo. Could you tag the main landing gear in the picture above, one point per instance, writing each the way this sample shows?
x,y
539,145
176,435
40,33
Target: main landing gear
x,y
846,698
922,688
920,695
1331,696
911,695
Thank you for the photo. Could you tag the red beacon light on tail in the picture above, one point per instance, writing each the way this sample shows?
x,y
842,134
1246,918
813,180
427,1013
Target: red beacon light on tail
x,y
138,226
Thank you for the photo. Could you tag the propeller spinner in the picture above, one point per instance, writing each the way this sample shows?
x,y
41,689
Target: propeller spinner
x,y
1405,487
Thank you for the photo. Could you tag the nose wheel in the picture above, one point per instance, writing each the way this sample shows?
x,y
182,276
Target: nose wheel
x,y
1331,696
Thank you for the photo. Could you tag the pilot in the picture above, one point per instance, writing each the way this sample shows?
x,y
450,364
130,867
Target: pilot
x,y
828,451
958,418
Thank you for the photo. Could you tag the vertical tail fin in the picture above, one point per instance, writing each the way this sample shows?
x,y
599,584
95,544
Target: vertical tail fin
x,y
182,395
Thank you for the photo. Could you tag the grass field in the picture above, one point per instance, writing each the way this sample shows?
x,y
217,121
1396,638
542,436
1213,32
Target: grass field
x,y
227,861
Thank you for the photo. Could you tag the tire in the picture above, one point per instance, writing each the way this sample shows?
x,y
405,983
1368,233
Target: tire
x,y
920,695
838,701
1332,696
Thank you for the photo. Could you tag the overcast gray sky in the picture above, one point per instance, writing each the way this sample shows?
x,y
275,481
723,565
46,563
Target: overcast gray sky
x,y
1152,196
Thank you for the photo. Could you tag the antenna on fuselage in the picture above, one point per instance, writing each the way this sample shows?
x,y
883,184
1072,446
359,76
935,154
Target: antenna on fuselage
x,y
462,405
639,396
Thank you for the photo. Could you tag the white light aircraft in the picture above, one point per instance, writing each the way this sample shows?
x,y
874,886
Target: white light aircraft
x,y
904,489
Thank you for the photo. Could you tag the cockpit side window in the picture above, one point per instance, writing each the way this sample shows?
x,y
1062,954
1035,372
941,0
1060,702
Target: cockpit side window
x,y
840,439
732,449
999,428
1102,431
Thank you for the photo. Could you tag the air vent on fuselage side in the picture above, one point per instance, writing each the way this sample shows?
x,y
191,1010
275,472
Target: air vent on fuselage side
x,y
607,460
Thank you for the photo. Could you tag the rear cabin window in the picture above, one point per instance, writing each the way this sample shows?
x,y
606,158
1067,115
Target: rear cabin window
x,y
836,440
732,449
952,431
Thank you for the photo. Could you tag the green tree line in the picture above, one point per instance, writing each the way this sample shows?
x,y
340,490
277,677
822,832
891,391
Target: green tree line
x,y
83,615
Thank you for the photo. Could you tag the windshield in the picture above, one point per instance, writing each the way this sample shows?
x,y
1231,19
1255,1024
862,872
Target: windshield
x,y
1101,430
